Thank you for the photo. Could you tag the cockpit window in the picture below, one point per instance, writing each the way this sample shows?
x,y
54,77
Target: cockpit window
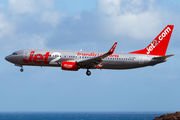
x,y
14,53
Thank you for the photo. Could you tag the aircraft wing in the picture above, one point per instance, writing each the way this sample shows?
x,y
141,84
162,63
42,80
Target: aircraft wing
x,y
88,63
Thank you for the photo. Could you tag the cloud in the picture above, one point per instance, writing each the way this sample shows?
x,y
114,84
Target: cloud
x,y
113,20
109,7
6,27
125,21
133,18
28,23
42,11
52,17
30,6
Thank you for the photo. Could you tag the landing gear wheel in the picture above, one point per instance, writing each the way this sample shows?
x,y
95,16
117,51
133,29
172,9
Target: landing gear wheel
x,y
21,70
88,73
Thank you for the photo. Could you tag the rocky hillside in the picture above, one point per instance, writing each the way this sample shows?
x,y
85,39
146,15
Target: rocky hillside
x,y
169,116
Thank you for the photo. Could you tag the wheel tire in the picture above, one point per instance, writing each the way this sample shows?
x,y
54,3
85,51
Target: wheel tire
x,y
21,70
88,73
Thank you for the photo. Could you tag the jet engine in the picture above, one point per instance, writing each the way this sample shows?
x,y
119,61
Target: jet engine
x,y
71,66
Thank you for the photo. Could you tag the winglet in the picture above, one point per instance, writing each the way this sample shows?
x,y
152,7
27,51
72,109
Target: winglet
x,y
112,48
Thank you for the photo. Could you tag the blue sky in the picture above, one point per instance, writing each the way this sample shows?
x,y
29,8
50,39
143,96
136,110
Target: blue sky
x,y
92,25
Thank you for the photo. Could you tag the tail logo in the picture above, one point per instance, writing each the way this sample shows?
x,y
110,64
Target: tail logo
x,y
166,31
154,43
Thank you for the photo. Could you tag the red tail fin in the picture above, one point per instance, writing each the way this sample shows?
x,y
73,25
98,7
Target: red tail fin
x,y
159,45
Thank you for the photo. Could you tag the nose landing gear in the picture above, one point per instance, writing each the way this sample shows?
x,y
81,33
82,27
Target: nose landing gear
x,y
88,73
20,66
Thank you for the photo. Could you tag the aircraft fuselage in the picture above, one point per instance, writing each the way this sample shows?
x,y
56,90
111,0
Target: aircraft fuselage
x,y
54,58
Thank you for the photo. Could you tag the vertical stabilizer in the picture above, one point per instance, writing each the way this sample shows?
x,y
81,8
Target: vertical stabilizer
x,y
159,45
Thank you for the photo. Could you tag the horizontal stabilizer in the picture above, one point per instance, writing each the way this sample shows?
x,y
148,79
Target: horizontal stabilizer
x,y
166,56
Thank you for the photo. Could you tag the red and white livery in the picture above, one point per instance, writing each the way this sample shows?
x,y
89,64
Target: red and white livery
x,y
153,54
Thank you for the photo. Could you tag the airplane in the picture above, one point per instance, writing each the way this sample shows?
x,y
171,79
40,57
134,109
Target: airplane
x,y
153,54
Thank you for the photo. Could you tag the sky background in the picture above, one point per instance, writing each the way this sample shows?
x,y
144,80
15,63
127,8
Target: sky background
x,y
92,25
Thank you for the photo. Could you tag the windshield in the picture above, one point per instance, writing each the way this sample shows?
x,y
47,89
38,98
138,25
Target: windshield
x,y
14,53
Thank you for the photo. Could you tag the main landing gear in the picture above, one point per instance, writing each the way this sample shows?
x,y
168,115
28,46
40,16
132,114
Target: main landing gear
x,y
21,69
88,73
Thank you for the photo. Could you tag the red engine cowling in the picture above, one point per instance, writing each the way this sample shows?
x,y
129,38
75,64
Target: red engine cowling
x,y
67,65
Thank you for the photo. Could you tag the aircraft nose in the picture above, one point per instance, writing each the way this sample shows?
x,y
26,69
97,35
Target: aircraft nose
x,y
7,58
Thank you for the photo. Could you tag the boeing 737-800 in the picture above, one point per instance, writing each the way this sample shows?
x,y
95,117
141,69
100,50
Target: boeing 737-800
x,y
153,54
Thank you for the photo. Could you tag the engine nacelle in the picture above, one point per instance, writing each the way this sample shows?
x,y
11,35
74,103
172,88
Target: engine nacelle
x,y
71,66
